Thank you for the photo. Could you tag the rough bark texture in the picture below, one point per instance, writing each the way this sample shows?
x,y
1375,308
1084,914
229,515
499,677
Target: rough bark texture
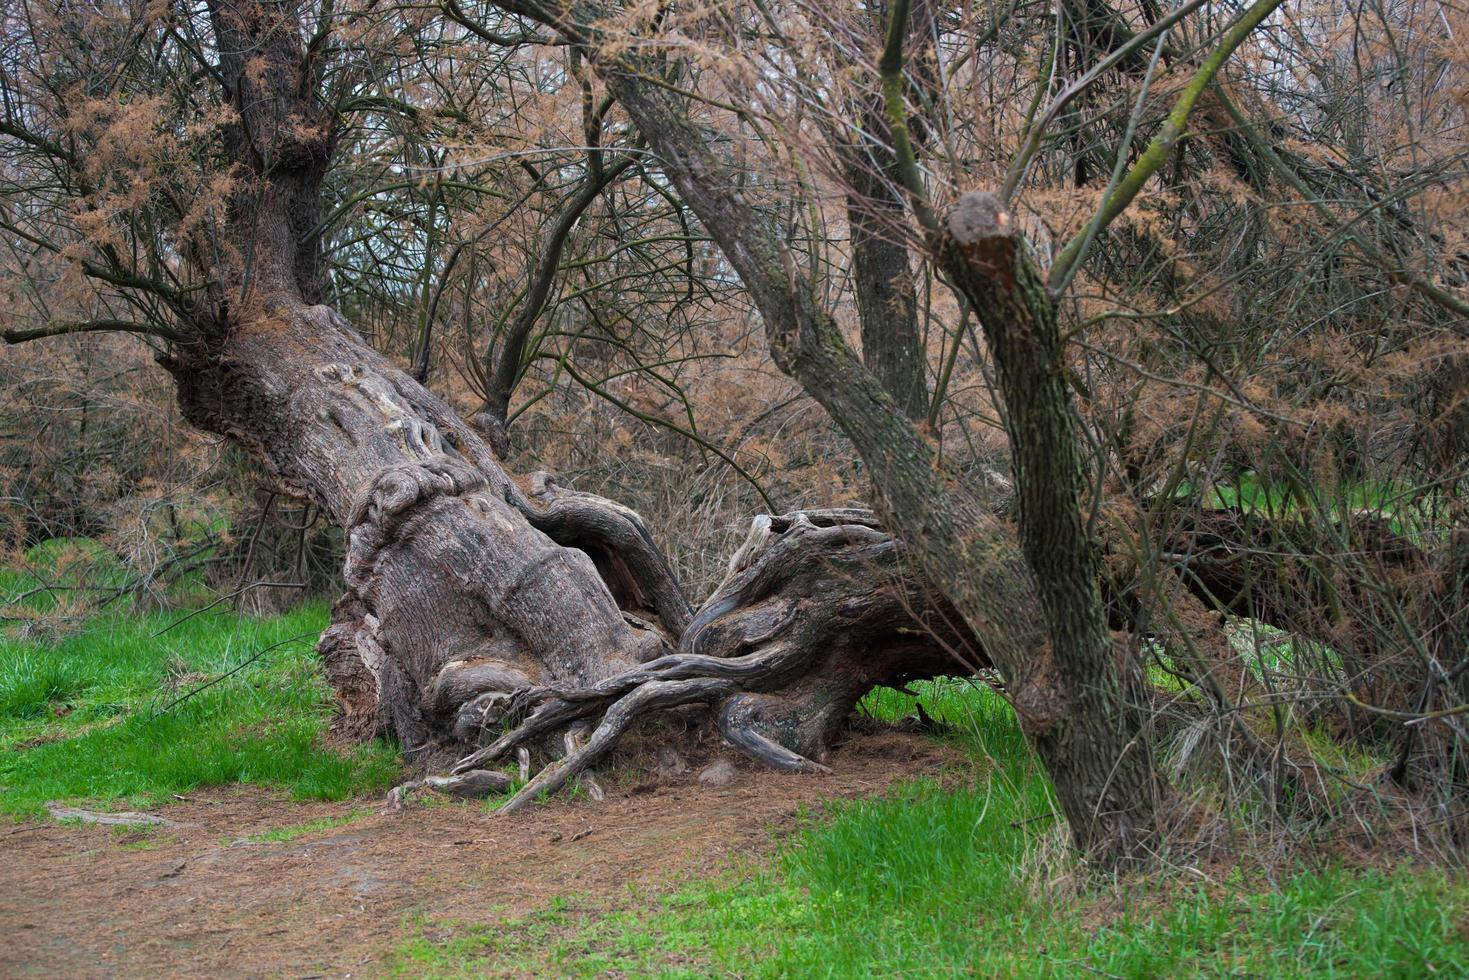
x,y
816,611
882,278
462,615
449,584
477,609
887,302
1094,721
629,561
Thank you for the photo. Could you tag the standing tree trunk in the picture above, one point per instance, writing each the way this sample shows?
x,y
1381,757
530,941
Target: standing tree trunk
x,y
1098,719
887,301
882,277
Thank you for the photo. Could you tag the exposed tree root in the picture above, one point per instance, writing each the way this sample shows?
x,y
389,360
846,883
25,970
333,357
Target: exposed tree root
x,y
651,696
736,725
814,613
483,611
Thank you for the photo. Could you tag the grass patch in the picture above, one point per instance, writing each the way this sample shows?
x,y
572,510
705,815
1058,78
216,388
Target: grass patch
x,y
935,880
282,835
1404,509
88,716
1249,491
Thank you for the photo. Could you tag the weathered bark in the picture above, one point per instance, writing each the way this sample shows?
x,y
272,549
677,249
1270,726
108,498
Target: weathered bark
x,y
446,576
632,565
887,300
452,592
827,593
815,612
460,612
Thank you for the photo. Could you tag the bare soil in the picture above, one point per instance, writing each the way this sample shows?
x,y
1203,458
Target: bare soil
x,y
204,899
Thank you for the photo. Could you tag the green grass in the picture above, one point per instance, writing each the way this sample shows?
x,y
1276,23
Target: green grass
x,y
1250,492
281,835
64,577
937,880
88,717
963,875
1405,510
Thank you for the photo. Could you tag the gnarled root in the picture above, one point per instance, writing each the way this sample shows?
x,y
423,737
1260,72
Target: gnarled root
x,y
739,719
815,612
652,696
475,784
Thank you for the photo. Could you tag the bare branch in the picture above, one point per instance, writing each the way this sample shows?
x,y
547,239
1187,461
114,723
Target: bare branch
x,y
58,328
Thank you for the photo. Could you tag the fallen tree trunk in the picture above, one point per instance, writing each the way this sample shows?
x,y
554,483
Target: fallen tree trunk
x,y
473,602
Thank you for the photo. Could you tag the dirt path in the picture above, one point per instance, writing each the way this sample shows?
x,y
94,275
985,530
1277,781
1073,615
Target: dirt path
x,y
204,899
